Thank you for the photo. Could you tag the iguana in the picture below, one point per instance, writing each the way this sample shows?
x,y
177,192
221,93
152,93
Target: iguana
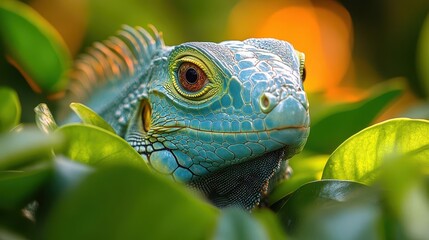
x,y
221,117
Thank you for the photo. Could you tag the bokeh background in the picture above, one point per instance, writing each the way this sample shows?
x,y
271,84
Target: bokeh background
x,y
350,46
362,56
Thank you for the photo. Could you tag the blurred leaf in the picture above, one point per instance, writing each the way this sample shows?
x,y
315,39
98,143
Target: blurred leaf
x,y
66,176
385,38
270,222
415,212
10,109
235,223
127,203
359,217
106,19
347,119
97,147
209,19
17,188
44,119
90,117
34,47
423,56
360,157
418,111
28,146
305,169
15,226
320,194
69,18
406,195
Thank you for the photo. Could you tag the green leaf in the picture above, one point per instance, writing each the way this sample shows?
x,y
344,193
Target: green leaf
x,y
66,176
10,109
98,147
423,56
18,149
235,223
408,203
270,223
360,157
122,202
314,194
348,119
359,217
34,47
305,169
88,116
44,119
18,187
14,225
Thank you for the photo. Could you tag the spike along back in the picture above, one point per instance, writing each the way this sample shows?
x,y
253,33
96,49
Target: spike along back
x,y
223,118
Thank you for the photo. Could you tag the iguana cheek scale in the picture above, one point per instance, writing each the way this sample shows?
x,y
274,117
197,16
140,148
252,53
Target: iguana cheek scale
x,y
221,117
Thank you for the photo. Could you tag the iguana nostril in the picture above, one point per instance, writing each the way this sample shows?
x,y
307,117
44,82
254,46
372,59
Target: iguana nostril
x,y
267,102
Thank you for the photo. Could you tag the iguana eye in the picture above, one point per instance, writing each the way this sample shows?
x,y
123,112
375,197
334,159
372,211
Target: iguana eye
x,y
191,77
304,74
302,70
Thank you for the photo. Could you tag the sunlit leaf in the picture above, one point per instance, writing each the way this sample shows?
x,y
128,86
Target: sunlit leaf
x,y
10,109
315,194
127,203
90,117
98,147
44,119
27,146
339,123
18,187
360,157
235,223
34,47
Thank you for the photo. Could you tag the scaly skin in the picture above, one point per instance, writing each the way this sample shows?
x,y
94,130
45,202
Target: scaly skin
x,y
226,137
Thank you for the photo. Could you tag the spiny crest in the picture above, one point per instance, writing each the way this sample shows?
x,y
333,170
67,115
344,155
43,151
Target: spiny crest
x,y
119,57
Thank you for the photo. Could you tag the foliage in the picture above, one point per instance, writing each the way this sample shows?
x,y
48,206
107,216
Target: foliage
x,y
354,180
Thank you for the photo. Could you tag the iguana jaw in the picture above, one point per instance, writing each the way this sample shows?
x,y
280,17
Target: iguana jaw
x,y
242,184
245,183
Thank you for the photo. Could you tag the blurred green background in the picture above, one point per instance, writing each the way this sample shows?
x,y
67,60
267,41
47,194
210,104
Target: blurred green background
x,y
350,45
361,55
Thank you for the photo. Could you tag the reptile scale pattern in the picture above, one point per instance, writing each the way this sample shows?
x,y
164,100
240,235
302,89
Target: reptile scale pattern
x,y
229,138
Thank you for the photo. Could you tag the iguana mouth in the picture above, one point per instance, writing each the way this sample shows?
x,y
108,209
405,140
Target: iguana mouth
x,y
241,184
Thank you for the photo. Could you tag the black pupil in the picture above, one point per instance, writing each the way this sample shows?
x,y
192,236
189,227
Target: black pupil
x,y
191,76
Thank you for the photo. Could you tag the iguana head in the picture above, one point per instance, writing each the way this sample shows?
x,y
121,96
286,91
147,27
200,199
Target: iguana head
x,y
219,116
211,106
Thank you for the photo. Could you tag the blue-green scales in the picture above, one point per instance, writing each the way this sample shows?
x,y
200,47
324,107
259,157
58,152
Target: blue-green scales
x,y
221,117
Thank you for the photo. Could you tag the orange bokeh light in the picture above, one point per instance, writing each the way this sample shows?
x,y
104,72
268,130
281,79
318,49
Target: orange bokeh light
x,y
322,30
